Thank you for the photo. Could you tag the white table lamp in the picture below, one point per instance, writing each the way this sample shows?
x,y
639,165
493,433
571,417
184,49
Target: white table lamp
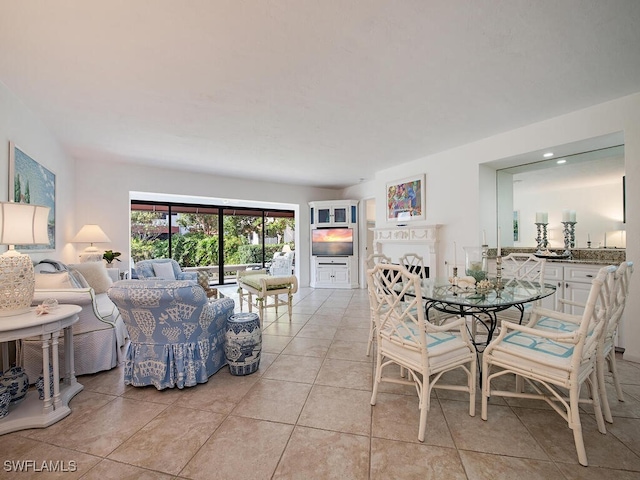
x,y
20,224
91,234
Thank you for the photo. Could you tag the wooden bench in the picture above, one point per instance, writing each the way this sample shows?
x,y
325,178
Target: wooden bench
x,y
263,286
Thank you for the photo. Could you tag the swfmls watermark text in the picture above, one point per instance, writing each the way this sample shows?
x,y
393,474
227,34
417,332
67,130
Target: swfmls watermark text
x,y
61,466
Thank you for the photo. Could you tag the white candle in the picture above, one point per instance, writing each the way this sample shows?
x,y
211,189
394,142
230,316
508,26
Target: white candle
x,y
565,216
545,217
499,251
455,258
588,237
538,217
605,239
484,237
572,216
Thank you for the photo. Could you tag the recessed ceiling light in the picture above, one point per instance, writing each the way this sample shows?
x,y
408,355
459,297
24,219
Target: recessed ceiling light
x,y
561,161
548,155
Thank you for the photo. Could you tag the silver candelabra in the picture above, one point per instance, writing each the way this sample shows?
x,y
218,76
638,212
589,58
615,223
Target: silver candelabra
x,y
569,237
543,243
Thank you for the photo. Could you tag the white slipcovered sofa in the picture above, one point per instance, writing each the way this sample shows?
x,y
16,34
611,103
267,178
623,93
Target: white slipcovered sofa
x,y
99,336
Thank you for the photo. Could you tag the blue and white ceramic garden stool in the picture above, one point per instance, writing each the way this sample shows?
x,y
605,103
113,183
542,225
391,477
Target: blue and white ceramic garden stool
x,y
243,343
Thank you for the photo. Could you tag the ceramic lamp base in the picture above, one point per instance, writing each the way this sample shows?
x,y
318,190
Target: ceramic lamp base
x,y
17,283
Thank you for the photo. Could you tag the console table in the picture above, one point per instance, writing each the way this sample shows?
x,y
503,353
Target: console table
x,y
32,412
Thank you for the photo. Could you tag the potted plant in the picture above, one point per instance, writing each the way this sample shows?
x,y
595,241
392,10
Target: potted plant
x,y
110,256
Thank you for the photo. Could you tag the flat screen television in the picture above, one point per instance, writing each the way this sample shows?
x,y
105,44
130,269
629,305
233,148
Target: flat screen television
x,y
332,241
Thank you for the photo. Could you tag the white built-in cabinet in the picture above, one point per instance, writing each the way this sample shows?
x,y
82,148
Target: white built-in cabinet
x,y
572,282
334,271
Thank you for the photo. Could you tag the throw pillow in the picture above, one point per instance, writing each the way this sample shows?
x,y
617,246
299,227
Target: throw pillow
x,y
77,279
95,273
53,280
164,271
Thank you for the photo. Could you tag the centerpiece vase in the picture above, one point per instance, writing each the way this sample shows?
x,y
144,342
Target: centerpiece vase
x,y
475,263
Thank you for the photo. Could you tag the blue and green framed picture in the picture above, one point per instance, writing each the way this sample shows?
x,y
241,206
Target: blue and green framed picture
x,y
31,182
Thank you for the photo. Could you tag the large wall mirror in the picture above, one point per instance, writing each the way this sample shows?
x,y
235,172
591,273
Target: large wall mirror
x,y
590,183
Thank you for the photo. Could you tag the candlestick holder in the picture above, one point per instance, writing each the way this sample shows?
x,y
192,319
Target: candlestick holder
x,y
569,237
454,281
499,285
543,243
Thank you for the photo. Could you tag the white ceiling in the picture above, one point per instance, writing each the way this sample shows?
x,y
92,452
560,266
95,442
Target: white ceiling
x,y
310,92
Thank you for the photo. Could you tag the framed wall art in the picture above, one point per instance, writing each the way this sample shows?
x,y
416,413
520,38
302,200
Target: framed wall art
x,y
31,182
516,225
406,199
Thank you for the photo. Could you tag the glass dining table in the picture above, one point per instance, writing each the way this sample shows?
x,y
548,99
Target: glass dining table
x,y
481,306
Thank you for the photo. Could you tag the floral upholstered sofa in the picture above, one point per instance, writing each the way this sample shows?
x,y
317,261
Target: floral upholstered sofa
x,y
177,333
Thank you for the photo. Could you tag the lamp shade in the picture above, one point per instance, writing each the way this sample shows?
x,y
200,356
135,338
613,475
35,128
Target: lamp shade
x,y
91,233
23,224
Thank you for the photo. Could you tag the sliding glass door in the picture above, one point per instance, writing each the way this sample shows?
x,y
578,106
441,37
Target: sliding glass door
x,y
217,240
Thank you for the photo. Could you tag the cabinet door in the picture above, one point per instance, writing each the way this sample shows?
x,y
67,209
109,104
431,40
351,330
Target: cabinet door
x,y
340,215
324,216
324,274
341,276
576,292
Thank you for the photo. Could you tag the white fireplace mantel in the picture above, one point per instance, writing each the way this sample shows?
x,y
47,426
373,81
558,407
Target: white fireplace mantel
x,y
419,239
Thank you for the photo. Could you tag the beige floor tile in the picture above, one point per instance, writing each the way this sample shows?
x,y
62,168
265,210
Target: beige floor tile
x,y
503,433
578,472
627,430
346,374
241,448
396,417
356,351
320,319
340,409
308,347
110,470
502,467
323,454
274,343
220,394
266,359
108,427
83,406
294,368
283,329
400,460
274,400
110,382
318,331
47,461
152,394
168,441
15,445
553,433
352,334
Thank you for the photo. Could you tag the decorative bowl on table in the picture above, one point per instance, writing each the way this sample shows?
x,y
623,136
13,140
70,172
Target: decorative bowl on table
x,y
17,383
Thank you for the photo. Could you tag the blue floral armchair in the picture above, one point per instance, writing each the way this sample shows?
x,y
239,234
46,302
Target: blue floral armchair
x,y
158,269
177,334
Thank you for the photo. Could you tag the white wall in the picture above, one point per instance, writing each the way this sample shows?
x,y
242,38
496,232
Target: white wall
x,y
102,197
459,188
19,125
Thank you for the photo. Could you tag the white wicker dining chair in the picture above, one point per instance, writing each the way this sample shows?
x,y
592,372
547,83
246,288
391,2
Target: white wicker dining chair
x,y
605,353
521,266
414,263
552,362
406,339
372,261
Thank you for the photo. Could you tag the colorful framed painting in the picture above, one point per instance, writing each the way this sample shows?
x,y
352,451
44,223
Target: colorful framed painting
x,y
31,182
516,225
406,199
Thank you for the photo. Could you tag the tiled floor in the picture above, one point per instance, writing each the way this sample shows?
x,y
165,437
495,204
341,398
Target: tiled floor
x,y
306,414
